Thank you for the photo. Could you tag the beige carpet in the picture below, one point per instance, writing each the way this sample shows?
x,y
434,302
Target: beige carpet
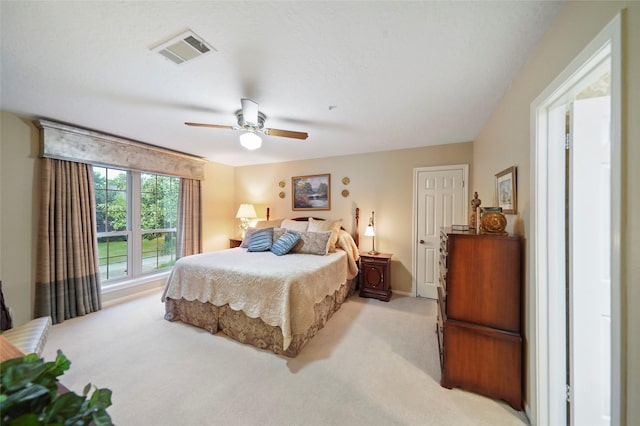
x,y
374,363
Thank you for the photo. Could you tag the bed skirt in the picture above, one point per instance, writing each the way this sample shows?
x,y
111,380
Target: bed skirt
x,y
254,331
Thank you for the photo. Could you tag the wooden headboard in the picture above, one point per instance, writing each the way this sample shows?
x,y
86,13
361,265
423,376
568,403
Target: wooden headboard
x,y
356,232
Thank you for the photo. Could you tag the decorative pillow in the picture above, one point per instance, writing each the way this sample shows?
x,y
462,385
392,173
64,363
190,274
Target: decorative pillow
x,y
285,243
295,225
277,233
263,224
261,240
247,236
313,243
326,225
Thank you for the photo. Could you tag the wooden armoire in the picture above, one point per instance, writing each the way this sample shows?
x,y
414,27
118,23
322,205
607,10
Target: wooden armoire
x,y
479,314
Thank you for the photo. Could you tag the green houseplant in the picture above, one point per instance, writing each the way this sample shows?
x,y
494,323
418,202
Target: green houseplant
x,y
29,395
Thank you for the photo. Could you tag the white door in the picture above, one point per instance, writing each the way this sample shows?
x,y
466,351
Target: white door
x,y
440,200
590,277
576,215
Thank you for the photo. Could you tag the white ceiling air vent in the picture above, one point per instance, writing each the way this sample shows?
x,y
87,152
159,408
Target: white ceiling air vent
x,y
183,47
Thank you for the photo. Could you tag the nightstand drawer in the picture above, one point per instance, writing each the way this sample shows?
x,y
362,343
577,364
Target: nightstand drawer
x,y
373,261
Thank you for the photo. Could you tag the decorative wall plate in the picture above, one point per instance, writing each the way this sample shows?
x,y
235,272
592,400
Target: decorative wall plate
x,y
345,180
345,193
281,194
281,184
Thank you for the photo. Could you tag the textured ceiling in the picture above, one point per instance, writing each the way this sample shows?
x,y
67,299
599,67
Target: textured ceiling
x,y
357,76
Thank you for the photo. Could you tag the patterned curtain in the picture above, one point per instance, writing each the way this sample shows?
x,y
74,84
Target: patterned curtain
x,y
67,281
189,226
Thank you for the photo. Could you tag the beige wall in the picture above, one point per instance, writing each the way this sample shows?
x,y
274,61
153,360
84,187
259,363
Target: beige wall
x,y
507,133
218,208
382,182
18,222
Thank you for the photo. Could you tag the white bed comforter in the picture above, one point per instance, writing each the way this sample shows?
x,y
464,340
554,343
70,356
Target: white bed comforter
x,y
280,290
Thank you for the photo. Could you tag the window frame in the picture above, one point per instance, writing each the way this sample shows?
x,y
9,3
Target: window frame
x,y
134,231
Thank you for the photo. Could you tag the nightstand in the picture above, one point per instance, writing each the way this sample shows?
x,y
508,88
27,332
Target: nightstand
x,y
235,242
375,275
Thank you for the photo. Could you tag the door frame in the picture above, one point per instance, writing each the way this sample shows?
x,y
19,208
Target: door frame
x,y
414,216
547,346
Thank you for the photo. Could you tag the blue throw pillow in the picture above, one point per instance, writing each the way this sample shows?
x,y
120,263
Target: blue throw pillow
x,y
261,240
285,243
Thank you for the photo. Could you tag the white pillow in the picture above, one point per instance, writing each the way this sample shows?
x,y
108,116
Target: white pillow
x,y
295,225
277,233
326,225
274,223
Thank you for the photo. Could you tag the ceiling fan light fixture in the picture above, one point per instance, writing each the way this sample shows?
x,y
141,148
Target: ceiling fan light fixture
x,y
250,141
251,121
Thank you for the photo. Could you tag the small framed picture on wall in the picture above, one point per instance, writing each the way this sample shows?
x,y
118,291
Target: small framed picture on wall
x,y
507,190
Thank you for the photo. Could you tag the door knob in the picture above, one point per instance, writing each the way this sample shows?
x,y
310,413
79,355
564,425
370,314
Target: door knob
x,y
421,241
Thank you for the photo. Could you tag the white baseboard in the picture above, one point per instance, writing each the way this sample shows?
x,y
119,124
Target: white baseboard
x,y
113,293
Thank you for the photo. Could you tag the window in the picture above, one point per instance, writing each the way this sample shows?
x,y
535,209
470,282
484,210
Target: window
x,y
159,213
136,219
111,188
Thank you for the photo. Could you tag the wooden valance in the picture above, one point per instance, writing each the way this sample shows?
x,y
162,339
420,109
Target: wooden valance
x,y
65,142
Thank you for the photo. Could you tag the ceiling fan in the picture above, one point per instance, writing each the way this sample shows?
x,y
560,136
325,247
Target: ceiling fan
x,y
251,121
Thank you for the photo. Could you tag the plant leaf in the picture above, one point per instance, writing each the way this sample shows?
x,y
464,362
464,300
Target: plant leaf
x,y
61,364
101,418
20,375
63,407
26,400
29,419
86,389
101,398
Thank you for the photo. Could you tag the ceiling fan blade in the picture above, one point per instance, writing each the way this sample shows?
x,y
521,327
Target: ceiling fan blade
x,y
215,126
249,112
286,133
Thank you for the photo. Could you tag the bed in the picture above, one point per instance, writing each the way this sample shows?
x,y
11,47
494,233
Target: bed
x,y
273,302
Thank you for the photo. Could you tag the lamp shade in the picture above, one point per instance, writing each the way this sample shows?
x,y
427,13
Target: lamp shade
x,y
250,140
246,210
369,232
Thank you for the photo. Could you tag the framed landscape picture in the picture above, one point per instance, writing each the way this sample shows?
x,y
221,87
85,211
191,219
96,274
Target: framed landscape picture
x,y
311,192
507,190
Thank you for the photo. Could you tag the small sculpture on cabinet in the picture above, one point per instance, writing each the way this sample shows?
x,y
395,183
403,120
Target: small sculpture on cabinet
x,y
473,219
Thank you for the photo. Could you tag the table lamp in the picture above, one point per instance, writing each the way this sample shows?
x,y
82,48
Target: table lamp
x,y
245,212
370,232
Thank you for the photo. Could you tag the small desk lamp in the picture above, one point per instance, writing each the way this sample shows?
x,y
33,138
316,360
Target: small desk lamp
x,y
370,232
245,212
